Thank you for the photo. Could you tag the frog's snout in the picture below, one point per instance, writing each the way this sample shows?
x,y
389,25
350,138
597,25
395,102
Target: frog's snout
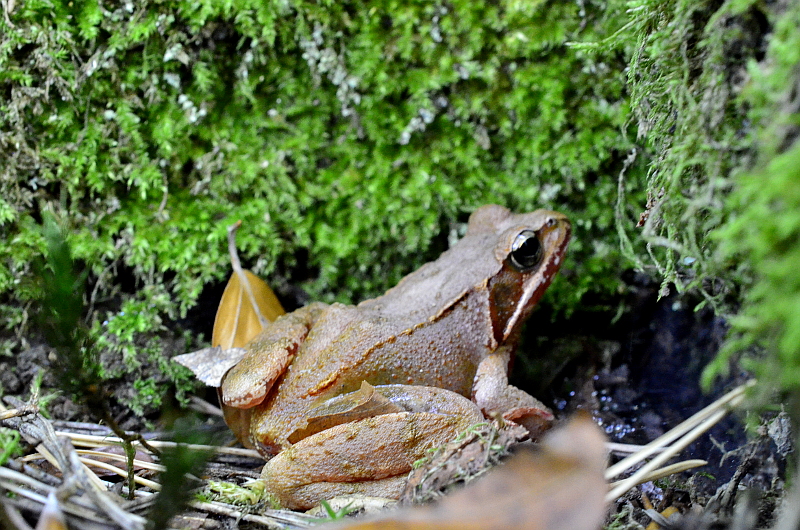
x,y
557,224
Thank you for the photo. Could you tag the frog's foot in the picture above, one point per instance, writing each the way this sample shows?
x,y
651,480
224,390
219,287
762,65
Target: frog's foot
x,y
307,496
524,409
372,455
492,393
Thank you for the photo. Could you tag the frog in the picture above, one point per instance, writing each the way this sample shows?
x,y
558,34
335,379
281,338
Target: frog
x,y
347,397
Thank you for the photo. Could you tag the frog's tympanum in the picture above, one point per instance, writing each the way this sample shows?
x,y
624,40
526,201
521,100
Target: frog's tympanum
x,y
349,397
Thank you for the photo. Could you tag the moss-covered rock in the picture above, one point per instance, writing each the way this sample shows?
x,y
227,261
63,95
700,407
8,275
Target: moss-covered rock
x,y
361,135
353,140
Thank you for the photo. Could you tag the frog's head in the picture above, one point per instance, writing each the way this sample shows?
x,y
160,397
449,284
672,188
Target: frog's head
x,y
528,249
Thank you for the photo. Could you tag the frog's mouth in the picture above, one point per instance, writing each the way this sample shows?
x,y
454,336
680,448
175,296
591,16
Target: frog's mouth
x,y
515,292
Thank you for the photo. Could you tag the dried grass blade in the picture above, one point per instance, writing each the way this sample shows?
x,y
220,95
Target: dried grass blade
x,y
121,472
95,481
731,399
89,440
666,471
685,433
122,458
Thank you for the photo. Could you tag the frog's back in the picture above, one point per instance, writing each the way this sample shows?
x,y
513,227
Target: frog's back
x,y
373,348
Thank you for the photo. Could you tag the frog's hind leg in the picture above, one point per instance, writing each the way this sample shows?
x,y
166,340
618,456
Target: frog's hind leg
x,y
370,456
307,496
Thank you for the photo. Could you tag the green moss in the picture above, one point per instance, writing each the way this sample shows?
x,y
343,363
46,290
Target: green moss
x,y
360,135
713,92
685,78
9,441
764,235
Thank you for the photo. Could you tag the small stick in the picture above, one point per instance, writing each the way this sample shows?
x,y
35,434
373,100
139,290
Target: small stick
x,y
627,449
19,411
89,440
121,472
113,456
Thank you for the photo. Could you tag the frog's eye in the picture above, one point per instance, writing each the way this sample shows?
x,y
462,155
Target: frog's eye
x,y
526,251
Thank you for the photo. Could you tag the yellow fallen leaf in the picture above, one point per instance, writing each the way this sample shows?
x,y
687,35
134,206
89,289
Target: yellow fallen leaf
x,y
246,306
238,318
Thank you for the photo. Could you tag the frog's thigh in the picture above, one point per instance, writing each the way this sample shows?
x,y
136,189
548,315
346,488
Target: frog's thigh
x,y
494,395
371,449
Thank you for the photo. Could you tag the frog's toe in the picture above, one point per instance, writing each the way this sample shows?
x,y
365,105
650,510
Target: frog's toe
x,y
536,420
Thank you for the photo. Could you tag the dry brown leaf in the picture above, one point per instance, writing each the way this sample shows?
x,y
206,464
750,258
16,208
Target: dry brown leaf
x,y
559,487
209,365
246,307
238,318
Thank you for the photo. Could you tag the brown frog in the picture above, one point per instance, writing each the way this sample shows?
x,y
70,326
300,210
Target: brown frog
x,y
349,397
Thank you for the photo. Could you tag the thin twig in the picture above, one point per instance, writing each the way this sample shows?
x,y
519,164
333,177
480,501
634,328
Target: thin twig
x,y
19,411
89,440
121,472
151,466
678,467
627,449
37,492
274,517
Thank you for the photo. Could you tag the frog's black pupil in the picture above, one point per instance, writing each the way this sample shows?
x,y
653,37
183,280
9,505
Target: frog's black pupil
x,y
526,251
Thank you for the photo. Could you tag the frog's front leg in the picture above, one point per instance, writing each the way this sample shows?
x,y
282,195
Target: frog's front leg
x,y
494,395
371,455
268,354
249,381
